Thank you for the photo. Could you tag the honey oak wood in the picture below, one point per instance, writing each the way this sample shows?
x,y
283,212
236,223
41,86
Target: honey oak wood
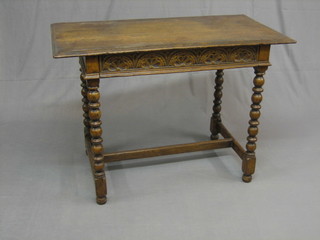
x,y
167,150
249,164
96,150
155,46
180,60
216,116
193,68
121,36
235,144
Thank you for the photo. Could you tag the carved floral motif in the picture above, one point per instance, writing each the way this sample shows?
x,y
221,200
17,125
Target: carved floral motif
x,y
214,56
242,54
178,58
151,60
182,58
118,63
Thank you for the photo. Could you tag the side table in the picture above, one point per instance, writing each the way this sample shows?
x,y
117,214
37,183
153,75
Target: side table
x,y
169,45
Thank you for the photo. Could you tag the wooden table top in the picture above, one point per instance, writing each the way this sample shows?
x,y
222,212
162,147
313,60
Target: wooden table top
x,y
122,36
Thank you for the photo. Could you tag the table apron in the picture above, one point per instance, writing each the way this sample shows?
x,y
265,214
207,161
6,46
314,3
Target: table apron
x,y
174,61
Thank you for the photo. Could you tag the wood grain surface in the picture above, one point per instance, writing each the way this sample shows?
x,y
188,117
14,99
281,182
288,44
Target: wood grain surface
x,y
124,36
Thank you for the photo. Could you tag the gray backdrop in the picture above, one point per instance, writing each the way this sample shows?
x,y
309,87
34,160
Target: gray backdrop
x,y
46,187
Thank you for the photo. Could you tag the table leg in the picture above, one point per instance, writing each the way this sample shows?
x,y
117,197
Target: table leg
x,y
216,117
85,108
96,154
248,164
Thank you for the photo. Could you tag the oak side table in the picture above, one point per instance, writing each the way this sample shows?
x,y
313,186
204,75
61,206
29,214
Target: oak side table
x,y
168,45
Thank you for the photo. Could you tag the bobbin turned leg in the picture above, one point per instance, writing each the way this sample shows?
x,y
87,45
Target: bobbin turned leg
x,y
216,117
248,164
96,154
85,108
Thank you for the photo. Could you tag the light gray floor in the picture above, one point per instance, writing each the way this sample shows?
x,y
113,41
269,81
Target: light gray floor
x,y
46,187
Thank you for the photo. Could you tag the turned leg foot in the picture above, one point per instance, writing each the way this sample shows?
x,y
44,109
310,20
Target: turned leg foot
x,y
246,178
101,190
216,117
101,200
248,168
249,162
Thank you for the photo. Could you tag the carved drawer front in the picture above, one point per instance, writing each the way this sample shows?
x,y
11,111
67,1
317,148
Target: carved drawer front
x,y
177,59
